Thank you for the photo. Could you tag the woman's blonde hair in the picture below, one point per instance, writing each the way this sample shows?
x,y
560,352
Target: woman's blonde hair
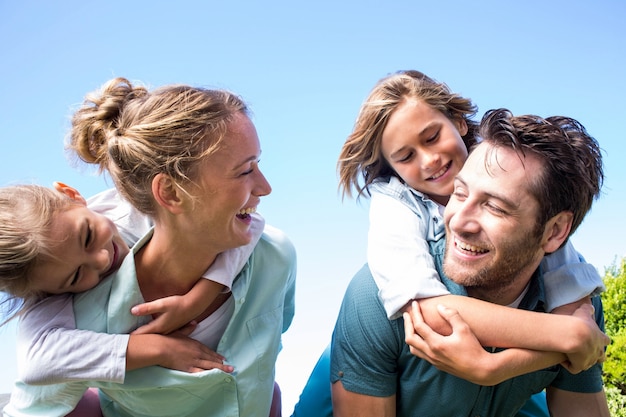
x,y
361,157
26,215
135,134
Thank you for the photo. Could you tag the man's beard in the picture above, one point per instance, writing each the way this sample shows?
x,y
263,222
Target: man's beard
x,y
494,278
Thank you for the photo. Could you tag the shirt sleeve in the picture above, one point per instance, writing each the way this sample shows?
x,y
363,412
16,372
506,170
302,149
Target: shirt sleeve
x,y
398,255
568,278
229,263
51,350
130,222
365,345
56,400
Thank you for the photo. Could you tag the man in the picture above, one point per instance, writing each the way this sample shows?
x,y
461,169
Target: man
x,y
520,195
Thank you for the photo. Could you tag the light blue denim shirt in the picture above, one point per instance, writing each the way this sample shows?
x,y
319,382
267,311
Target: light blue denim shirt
x,y
263,295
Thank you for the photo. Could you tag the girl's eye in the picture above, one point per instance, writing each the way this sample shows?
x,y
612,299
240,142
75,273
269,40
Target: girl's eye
x,y
76,276
88,237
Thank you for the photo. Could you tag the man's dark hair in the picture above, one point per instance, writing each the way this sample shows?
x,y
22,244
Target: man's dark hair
x,y
572,173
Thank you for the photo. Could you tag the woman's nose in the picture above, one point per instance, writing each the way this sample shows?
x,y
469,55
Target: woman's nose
x,y
263,187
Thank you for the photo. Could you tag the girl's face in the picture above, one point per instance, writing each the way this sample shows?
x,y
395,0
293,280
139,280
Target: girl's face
x,y
89,248
230,187
425,148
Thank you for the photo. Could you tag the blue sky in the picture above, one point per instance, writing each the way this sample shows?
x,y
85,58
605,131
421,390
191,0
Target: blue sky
x,y
305,68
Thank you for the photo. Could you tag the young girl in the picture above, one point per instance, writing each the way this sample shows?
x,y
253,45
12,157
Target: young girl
x,y
410,139
49,349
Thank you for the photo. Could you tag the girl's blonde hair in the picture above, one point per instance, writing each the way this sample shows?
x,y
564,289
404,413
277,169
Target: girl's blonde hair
x,y
135,134
361,157
26,215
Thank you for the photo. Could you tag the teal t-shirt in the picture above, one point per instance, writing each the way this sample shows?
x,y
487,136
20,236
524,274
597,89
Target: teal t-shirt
x,y
369,356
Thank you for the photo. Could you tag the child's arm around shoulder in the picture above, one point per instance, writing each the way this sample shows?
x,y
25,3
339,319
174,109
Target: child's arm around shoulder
x,y
177,311
398,253
51,350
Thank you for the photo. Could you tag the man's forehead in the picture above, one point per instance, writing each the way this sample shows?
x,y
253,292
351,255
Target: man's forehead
x,y
495,161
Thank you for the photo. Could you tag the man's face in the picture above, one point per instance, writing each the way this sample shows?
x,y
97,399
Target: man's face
x,y
493,243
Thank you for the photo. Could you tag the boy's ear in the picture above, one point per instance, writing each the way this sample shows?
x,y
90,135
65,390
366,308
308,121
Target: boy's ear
x,y
72,193
167,193
461,125
557,231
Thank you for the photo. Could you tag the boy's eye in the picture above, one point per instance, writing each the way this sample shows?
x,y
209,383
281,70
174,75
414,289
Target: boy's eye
x,y
406,158
432,138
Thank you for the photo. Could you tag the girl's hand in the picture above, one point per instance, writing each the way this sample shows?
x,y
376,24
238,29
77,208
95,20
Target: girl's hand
x,y
170,314
188,355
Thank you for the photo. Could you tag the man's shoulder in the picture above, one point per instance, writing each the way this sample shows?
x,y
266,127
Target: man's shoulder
x,y
362,286
362,304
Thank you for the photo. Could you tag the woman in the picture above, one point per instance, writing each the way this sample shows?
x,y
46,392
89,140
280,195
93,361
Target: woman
x,y
188,158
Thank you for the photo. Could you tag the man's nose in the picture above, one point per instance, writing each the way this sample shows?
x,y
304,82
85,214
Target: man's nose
x,y
464,218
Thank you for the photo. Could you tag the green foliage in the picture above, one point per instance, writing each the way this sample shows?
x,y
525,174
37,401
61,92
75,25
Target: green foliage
x,y
617,402
614,369
614,298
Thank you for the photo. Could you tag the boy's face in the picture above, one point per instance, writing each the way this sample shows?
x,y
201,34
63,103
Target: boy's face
x,y
425,148
88,248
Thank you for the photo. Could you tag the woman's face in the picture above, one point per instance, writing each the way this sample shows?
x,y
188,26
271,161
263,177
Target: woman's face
x,y
230,187
425,148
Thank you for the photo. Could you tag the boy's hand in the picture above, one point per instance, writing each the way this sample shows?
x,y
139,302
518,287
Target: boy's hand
x,y
593,343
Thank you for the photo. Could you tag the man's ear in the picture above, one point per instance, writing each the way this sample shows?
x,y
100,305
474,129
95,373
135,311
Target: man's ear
x,y
167,193
72,193
557,231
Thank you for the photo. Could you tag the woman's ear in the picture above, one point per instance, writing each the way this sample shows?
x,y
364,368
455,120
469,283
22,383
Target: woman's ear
x,y
72,193
557,231
167,193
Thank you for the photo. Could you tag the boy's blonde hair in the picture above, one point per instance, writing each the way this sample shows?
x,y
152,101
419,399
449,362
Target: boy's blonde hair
x,y
361,157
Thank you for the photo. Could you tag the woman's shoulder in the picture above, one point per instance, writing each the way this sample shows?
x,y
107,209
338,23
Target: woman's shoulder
x,y
276,240
274,256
